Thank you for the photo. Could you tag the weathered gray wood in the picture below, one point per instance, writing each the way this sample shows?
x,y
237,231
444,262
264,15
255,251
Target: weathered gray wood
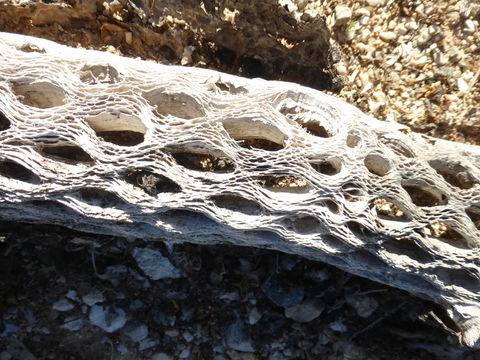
x,y
111,145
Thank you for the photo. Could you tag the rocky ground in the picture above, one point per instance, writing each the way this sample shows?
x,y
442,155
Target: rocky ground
x,y
69,295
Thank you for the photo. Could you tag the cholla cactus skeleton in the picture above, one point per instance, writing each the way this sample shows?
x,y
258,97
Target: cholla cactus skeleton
x,y
111,145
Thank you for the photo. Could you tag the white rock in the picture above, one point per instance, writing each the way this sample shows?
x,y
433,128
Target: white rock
x,y
411,25
109,318
363,20
343,15
136,331
63,305
362,12
341,69
387,35
254,316
401,29
338,326
462,85
376,2
154,264
305,312
93,297
364,305
469,27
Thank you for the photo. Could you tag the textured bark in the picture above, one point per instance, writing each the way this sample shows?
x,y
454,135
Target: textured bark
x,y
111,145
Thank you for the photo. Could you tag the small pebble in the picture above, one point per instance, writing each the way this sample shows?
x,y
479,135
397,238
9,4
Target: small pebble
x,y
343,15
469,27
338,326
341,69
376,2
93,297
238,337
161,356
154,264
387,35
254,316
63,305
305,312
462,85
135,331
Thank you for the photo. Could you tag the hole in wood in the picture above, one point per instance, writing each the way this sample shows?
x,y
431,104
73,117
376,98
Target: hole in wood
x,y
100,73
352,192
255,134
464,278
152,183
40,94
447,234
122,138
424,195
4,122
453,173
377,164
328,167
204,162
331,205
187,219
284,183
100,197
306,224
19,172
359,229
388,210
314,128
237,203
177,104
68,153
407,247
473,213
397,146
353,140
120,129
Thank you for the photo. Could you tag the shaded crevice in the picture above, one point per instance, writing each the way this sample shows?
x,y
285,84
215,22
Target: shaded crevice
x,y
263,144
152,183
306,224
4,122
68,153
352,192
237,203
473,213
314,128
424,195
331,205
100,197
407,247
122,138
188,219
11,169
327,167
453,173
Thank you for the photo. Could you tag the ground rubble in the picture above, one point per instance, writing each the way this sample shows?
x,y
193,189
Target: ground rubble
x,y
70,295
